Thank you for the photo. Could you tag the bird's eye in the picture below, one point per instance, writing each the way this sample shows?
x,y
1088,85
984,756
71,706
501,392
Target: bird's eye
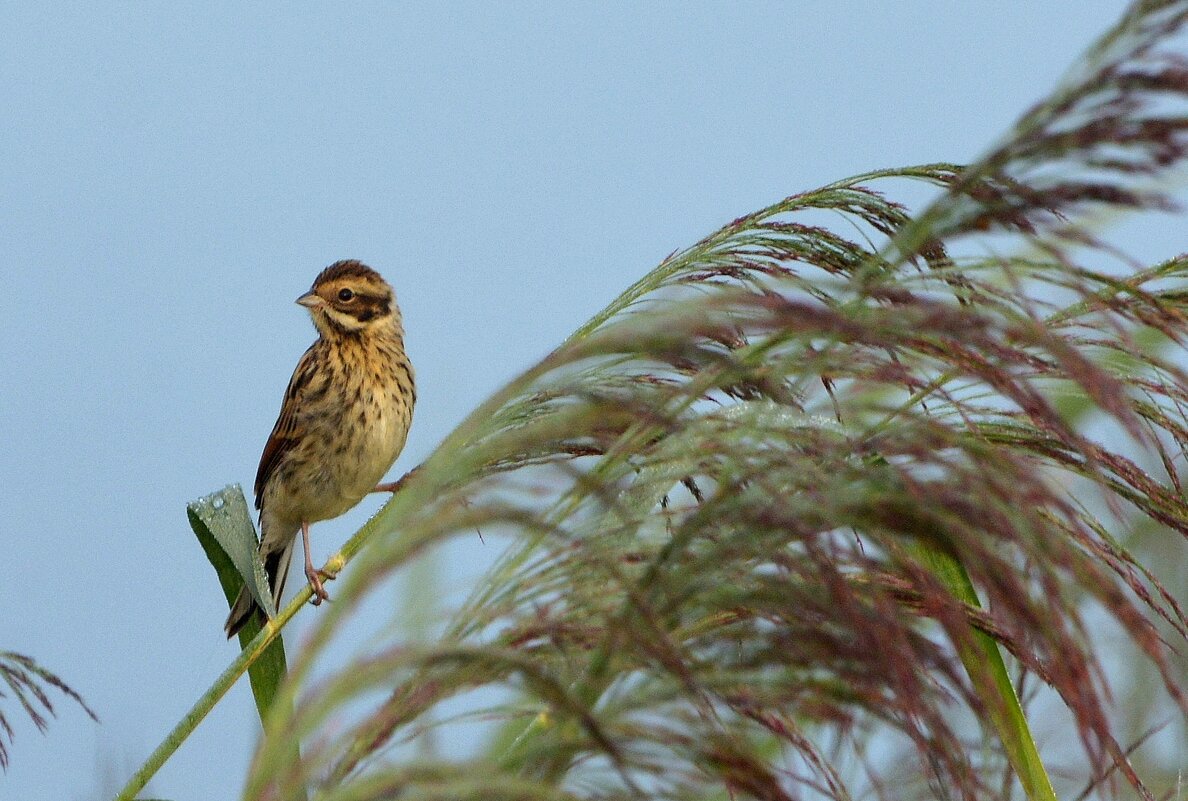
x,y
345,294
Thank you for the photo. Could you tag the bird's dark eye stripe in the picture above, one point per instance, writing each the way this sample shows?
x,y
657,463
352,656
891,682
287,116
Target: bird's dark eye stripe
x,y
368,307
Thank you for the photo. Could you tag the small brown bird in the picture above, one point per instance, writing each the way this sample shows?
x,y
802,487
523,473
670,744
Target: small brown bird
x,y
343,422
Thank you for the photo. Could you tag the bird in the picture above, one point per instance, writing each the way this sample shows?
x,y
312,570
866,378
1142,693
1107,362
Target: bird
x,y
343,422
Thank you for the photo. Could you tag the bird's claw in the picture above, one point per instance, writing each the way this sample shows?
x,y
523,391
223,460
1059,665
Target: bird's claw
x,y
315,584
396,486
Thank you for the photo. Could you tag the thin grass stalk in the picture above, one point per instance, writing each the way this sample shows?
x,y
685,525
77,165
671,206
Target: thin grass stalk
x,y
213,694
987,670
239,666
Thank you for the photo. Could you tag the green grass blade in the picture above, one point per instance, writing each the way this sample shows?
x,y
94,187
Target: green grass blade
x,y
224,527
984,664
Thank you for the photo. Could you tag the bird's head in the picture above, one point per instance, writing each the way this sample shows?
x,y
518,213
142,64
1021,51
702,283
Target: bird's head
x,y
348,297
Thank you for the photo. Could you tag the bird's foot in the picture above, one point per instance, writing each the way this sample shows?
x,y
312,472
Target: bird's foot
x,y
394,486
315,583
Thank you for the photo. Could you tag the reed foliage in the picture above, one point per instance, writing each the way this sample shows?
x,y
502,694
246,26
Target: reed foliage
x,y
773,515
800,511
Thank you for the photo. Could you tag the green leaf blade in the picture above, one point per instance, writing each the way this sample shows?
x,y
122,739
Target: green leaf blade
x,y
987,671
223,525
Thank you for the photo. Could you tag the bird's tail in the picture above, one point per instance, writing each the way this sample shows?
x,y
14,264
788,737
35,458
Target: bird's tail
x,y
276,567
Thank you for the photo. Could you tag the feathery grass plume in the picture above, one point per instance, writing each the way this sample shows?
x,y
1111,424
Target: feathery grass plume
x,y
726,496
29,683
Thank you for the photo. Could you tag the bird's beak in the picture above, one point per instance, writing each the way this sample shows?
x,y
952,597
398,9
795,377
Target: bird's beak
x,y
309,300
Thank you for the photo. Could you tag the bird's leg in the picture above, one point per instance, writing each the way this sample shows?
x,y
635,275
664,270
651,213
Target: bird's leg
x,y
314,576
394,486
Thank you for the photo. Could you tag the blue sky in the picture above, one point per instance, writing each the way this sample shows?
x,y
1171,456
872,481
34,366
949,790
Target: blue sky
x,y
172,178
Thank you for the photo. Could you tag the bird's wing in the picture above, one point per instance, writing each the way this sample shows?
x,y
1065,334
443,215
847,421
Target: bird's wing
x,y
288,429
